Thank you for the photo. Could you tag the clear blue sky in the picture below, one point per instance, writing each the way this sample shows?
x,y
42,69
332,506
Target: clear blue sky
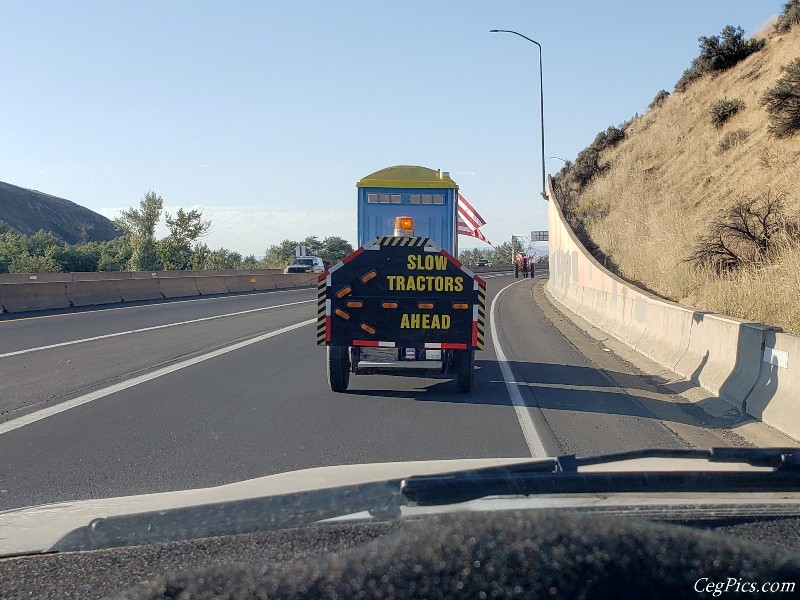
x,y
265,114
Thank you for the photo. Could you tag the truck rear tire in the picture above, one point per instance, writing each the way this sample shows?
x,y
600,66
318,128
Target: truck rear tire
x,y
338,368
465,371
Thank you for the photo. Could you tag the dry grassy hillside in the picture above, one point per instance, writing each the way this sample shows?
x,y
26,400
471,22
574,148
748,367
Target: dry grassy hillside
x,y
669,177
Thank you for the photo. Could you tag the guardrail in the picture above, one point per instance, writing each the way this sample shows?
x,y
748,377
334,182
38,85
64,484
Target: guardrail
x,y
36,295
752,366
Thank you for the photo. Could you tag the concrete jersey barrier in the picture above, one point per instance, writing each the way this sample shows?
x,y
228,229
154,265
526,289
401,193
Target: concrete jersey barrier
x,y
726,356
775,399
29,296
102,275
24,297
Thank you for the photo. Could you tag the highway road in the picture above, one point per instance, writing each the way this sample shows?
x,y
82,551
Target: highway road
x,y
176,395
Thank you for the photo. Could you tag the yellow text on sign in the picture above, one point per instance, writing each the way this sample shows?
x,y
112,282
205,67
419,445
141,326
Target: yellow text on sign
x,y
425,283
426,262
424,321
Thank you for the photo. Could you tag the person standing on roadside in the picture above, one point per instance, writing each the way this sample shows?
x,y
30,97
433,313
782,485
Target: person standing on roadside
x,y
525,266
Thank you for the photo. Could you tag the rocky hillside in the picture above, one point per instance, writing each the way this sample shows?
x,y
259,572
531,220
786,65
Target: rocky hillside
x,y
28,211
698,199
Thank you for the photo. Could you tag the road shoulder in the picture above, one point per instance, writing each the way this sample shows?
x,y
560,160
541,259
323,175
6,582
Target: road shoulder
x,y
694,414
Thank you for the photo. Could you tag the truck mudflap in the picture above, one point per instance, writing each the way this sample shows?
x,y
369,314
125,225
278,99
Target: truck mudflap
x,y
399,292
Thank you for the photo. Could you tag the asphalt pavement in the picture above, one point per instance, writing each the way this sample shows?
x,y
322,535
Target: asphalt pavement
x,y
178,395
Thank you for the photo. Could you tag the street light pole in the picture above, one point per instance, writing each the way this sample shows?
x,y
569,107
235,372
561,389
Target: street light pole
x,y
541,96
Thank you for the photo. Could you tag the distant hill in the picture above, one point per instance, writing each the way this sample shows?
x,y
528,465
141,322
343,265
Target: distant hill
x,y
28,211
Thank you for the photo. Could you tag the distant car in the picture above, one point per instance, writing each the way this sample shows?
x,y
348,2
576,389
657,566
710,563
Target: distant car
x,y
305,264
482,262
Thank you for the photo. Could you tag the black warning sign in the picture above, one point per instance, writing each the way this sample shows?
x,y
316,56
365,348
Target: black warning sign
x,y
401,291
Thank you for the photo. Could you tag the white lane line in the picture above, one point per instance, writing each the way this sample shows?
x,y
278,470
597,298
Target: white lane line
x,y
102,308
532,437
124,385
153,328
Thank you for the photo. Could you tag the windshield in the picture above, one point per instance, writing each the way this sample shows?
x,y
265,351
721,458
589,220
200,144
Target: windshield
x,y
163,166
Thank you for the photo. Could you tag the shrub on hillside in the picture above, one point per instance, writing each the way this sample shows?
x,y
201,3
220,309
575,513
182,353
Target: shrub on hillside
x,y
722,52
577,175
789,17
745,234
659,99
591,211
783,102
718,53
691,74
586,166
724,109
608,138
732,138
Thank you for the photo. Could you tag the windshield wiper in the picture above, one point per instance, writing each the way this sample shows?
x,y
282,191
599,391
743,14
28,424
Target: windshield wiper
x,y
560,476
384,499
234,517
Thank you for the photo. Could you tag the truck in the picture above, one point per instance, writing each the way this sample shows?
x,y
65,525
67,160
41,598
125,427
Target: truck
x,y
402,303
306,264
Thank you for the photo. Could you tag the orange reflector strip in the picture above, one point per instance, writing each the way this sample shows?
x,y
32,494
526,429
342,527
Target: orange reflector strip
x,y
342,313
460,306
389,305
367,328
367,276
428,305
344,291
355,304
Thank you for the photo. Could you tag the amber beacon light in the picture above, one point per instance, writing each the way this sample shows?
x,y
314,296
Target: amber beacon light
x,y
404,226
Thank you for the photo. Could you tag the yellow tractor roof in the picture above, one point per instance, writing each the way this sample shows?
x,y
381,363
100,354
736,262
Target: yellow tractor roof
x,y
405,176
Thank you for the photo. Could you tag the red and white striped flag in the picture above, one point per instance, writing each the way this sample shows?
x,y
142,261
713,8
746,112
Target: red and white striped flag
x,y
469,220
477,233
469,215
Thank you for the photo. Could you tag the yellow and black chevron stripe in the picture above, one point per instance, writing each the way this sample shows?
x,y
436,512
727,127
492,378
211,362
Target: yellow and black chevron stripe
x,y
481,315
391,240
321,293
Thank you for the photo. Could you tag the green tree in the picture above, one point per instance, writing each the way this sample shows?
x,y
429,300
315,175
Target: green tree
x,y
12,245
503,253
174,255
200,254
79,258
187,226
41,241
140,225
28,263
314,247
20,253
280,255
115,254
223,259
250,262
334,248
175,250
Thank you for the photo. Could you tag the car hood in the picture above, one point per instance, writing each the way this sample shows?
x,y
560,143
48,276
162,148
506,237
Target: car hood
x,y
37,528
